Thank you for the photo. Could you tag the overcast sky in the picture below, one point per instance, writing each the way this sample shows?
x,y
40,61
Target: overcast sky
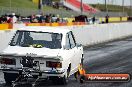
x,y
119,2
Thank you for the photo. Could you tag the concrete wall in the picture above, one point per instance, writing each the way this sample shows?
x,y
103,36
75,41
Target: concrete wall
x,y
94,34
98,33
86,34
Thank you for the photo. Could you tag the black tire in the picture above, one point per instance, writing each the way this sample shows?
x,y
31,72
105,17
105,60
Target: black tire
x,y
79,78
76,74
55,80
9,77
82,79
64,80
61,80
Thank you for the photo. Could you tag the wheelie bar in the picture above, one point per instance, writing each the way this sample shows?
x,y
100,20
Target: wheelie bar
x,y
24,79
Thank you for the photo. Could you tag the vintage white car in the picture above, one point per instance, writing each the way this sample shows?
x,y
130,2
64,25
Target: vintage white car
x,y
46,52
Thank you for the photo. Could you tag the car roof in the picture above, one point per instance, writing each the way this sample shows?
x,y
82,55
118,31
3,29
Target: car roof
x,y
45,29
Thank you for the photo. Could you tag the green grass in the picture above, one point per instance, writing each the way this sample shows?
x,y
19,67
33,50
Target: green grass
x,y
28,4
112,8
18,4
22,4
24,7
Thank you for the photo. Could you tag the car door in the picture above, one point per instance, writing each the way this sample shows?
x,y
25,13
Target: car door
x,y
75,51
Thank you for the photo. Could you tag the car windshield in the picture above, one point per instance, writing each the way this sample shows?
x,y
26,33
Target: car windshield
x,y
37,39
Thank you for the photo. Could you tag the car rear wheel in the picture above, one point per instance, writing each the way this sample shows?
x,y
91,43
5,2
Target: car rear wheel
x,y
61,80
64,80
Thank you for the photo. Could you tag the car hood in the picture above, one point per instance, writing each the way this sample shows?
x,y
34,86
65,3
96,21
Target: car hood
x,y
29,51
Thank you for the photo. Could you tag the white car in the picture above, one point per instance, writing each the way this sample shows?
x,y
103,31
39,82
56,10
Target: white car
x,y
45,52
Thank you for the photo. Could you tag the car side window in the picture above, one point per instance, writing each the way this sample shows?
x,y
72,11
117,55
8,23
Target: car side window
x,y
72,41
67,41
